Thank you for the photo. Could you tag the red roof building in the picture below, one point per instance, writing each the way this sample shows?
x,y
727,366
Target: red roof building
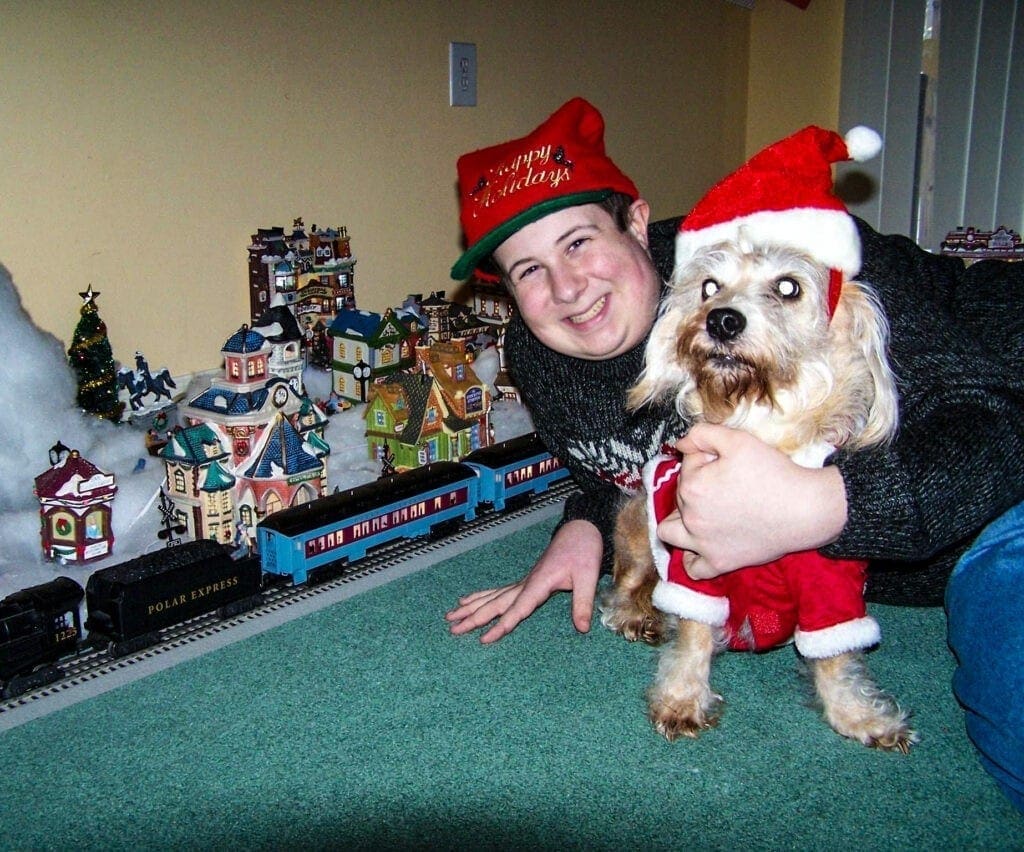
x,y
75,500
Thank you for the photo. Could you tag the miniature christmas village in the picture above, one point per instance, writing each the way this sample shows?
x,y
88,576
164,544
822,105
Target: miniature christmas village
x,y
250,440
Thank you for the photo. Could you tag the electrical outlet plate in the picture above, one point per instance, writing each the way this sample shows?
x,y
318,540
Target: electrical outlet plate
x,y
461,73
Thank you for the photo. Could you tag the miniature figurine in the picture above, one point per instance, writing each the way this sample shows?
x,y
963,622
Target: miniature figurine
x,y
141,383
243,541
155,443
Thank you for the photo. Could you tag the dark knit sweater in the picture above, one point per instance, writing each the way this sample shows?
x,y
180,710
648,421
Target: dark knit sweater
x,y
957,348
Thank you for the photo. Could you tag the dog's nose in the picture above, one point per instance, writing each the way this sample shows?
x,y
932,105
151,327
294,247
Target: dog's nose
x,y
725,324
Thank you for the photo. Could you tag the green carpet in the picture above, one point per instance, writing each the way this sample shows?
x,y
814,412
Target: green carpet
x,y
366,725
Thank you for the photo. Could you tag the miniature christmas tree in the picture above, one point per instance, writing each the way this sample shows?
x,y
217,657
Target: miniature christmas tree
x,y
93,362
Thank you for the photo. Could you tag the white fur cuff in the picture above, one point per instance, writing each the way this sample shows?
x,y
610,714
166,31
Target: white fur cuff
x,y
853,635
686,603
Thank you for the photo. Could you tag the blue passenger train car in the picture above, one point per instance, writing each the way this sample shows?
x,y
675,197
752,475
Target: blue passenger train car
x,y
513,471
342,527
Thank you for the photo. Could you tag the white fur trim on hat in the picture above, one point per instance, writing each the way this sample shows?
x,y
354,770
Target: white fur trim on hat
x,y
784,195
829,236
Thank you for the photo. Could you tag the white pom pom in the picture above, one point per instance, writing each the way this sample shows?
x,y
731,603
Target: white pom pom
x,y
863,143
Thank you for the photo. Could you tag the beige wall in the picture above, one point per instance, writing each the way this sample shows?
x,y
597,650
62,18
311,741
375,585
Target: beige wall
x,y
795,63
142,143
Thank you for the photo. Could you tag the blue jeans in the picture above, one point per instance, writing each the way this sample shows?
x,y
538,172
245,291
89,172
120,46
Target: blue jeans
x,y
985,609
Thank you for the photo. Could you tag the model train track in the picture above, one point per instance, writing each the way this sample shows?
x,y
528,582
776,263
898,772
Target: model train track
x,y
90,665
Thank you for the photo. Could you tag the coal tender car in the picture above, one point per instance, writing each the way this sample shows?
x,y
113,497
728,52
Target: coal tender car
x,y
129,604
38,627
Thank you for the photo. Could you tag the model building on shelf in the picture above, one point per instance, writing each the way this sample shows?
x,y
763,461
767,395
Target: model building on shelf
x,y
313,271
973,244
251,444
365,347
438,412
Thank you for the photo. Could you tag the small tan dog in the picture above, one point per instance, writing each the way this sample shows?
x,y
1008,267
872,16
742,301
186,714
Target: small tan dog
x,y
767,331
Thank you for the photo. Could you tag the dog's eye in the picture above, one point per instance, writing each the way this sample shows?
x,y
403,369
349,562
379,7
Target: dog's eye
x,y
709,288
787,288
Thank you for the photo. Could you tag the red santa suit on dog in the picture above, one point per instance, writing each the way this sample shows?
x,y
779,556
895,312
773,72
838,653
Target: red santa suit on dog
x,y
817,601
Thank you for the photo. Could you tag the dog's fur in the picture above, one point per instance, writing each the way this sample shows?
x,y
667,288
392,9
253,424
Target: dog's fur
x,y
798,381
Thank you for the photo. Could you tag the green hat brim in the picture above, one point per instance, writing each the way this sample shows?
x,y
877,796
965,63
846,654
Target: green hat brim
x,y
485,246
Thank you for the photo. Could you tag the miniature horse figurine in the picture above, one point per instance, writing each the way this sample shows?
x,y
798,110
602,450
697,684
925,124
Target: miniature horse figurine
x,y
141,382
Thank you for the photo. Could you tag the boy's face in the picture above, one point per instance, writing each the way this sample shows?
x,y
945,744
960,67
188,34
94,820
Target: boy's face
x,y
583,287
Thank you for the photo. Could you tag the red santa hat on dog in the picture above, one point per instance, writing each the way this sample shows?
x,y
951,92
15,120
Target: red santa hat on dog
x,y
783,196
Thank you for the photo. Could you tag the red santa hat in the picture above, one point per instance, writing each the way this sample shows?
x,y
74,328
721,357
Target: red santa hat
x,y
783,196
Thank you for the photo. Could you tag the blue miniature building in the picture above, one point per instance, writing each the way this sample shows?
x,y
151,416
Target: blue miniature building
x,y
367,346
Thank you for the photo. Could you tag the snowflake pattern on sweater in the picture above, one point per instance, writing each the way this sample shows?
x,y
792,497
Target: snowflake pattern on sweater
x,y
579,410
619,461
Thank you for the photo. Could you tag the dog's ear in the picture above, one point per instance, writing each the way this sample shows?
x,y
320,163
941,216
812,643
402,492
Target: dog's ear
x,y
869,334
662,375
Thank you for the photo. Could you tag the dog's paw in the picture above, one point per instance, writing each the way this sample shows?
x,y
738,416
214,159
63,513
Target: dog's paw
x,y
632,620
855,707
899,740
674,717
649,628
887,730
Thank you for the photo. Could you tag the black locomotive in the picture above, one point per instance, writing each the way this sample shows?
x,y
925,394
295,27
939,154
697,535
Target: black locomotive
x,y
38,627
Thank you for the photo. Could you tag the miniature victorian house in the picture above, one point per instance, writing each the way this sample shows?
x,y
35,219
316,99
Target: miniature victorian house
x,y
366,346
75,500
200,483
446,320
252,438
282,471
439,413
